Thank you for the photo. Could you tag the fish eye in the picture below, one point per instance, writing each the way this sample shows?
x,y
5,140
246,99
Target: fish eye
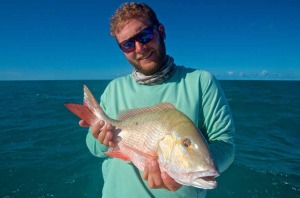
x,y
187,142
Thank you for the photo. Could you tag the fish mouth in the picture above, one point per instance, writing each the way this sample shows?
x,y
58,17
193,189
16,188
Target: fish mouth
x,y
205,179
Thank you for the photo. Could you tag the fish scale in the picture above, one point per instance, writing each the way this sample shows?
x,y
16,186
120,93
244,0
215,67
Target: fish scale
x,y
141,139
161,133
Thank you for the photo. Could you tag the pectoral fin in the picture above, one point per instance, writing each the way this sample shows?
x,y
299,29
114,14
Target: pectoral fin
x,y
117,154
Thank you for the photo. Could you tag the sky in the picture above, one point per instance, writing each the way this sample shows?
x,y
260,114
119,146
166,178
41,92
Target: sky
x,y
70,40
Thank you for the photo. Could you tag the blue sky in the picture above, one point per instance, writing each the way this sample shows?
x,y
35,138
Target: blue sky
x,y
69,39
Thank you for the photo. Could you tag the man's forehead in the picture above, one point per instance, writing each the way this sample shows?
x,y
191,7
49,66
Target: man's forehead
x,y
130,28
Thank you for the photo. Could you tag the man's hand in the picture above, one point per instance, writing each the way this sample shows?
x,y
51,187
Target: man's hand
x,y
156,179
101,131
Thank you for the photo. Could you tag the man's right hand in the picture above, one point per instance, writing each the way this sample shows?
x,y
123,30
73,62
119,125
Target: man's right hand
x,y
101,131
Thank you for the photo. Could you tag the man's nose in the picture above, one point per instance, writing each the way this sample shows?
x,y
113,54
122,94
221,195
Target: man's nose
x,y
138,46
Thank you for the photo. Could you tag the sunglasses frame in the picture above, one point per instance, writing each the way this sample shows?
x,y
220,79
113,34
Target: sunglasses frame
x,y
135,38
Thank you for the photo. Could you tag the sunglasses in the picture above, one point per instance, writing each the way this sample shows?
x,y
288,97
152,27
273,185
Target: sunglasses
x,y
143,37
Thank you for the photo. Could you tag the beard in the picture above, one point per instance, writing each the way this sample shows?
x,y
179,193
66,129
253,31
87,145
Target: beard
x,y
156,64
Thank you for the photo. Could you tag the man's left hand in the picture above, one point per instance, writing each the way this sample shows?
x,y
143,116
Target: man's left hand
x,y
158,179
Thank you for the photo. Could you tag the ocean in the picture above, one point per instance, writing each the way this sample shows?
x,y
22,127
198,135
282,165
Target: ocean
x,y
43,151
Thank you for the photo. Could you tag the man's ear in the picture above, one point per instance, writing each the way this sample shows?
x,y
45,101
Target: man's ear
x,y
162,31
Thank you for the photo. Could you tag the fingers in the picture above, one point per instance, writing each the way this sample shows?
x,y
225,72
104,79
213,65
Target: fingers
x,y
96,130
145,173
156,179
103,133
108,137
112,144
152,174
169,182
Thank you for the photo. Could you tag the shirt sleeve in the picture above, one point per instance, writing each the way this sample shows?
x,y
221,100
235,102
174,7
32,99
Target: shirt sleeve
x,y
217,122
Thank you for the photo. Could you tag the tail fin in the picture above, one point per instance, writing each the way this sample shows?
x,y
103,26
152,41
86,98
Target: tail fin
x,y
90,111
90,102
83,112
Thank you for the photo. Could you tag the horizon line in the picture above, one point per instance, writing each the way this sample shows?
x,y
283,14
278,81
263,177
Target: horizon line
x,y
110,79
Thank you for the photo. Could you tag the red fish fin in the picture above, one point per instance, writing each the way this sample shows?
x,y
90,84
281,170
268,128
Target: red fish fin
x,y
117,154
83,112
132,112
90,111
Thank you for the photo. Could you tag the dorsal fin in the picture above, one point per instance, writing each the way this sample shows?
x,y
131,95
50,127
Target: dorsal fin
x,y
132,112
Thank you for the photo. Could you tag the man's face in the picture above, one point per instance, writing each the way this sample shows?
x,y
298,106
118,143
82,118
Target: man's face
x,y
149,57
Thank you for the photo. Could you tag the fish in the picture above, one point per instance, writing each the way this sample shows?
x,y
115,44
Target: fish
x,y
160,132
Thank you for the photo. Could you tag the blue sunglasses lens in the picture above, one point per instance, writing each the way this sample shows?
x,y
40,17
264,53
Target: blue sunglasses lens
x,y
145,36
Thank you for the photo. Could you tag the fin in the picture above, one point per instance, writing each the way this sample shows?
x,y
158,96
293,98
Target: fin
x,y
117,154
132,112
90,111
83,112
90,101
150,155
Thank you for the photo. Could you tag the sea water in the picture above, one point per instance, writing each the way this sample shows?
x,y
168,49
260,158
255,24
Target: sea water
x,y
43,151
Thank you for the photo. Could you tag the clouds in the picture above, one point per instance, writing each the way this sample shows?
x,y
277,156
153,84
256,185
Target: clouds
x,y
263,73
244,40
230,73
259,75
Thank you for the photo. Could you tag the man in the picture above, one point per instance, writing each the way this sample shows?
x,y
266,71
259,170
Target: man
x,y
157,79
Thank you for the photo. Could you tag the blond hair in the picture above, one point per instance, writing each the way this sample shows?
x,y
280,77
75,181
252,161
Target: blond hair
x,y
129,11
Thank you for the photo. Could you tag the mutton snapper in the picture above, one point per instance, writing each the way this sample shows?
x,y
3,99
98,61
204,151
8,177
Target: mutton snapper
x,y
159,132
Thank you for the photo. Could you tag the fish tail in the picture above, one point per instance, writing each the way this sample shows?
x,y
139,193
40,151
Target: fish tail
x,y
82,112
90,111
